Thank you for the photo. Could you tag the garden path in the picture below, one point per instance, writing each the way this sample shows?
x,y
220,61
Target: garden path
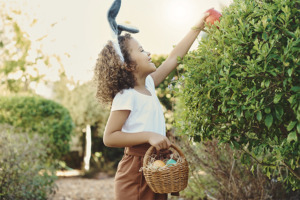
x,y
78,188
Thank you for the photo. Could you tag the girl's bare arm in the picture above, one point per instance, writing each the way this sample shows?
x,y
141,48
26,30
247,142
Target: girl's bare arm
x,y
114,137
179,51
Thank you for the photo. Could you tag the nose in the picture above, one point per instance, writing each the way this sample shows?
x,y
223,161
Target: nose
x,y
148,53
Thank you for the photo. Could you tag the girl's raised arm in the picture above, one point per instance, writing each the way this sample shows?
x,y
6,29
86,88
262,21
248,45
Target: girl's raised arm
x,y
180,50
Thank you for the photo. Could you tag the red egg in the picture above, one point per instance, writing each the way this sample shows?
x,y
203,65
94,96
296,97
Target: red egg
x,y
214,15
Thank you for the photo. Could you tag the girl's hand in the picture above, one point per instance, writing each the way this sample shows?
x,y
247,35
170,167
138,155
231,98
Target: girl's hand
x,y
201,23
159,141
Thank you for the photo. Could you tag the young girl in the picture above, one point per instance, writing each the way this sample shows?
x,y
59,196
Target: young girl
x,y
136,119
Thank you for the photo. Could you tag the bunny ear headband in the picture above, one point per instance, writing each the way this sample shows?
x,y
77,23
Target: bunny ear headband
x,y
117,29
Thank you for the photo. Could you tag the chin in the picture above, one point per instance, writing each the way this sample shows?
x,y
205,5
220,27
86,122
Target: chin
x,y
154,67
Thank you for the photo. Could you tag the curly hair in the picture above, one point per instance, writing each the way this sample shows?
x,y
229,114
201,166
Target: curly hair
x,y
110,73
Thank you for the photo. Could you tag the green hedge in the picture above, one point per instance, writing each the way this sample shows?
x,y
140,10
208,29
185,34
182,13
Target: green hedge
x,y
242,86
38,115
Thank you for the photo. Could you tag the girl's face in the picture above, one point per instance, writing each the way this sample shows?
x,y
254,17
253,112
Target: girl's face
x,y
144,65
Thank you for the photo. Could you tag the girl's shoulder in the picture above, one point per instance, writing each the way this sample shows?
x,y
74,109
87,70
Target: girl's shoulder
x,y
124,100
125,92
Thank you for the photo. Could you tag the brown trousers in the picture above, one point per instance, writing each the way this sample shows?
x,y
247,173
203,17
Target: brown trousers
x,y
130,183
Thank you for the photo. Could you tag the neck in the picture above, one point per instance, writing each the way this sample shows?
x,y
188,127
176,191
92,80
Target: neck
x,y
140,81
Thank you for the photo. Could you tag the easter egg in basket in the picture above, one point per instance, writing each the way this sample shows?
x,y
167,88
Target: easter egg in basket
x,y
159,163
171,162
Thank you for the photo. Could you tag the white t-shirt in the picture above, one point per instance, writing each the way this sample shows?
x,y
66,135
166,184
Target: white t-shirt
x,y
146,112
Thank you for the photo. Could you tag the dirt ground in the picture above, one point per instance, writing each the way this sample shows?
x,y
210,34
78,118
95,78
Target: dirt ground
x,y
77,188
72,186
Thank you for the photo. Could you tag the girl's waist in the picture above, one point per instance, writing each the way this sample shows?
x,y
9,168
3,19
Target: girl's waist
x,y
138,150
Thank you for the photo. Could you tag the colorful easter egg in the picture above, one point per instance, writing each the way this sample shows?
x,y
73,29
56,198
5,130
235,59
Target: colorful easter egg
x,y
159,163
171,162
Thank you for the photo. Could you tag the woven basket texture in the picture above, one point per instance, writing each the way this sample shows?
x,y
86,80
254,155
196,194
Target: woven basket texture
x,y
168,179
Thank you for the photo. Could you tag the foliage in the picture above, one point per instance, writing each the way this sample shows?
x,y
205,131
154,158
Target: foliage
x,y
38,115
241,86
19,59
84,108
105,159
216,173
23,173
82,104
165,89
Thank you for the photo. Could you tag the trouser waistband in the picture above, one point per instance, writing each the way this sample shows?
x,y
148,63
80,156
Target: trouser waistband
x,y
138,150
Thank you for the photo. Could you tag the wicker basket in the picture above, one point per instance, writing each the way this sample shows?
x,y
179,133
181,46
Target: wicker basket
x,y
167,179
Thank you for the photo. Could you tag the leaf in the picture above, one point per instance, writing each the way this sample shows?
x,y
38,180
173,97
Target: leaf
x,y
278,111
268,172
208,94
262,84
290,71
238,112
269,120
265,36
286,64
252,169
236,144
247,114
267,83
291,99
277,98
296,89
298,128
291,125
292,136
259,116
267,110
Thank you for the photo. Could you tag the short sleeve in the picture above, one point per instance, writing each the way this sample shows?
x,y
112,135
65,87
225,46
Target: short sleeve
x,y
150,82
123,101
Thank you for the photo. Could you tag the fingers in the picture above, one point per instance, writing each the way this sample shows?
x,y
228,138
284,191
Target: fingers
x,y
205,15
159,141
163,144
168,143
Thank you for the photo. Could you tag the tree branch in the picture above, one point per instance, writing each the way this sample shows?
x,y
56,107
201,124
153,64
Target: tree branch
x,y
260,162
271,165
292,171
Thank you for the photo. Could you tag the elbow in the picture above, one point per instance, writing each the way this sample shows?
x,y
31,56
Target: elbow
x,y
107,141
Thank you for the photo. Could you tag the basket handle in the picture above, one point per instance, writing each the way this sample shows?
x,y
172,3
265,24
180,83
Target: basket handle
x,y
152,148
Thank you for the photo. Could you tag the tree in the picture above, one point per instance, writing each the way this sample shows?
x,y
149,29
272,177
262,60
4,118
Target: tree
x,y
242,86
21,56
84,108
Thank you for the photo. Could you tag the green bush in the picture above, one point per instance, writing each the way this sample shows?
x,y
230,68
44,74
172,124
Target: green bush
x,y
242,86
23,173
38,115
